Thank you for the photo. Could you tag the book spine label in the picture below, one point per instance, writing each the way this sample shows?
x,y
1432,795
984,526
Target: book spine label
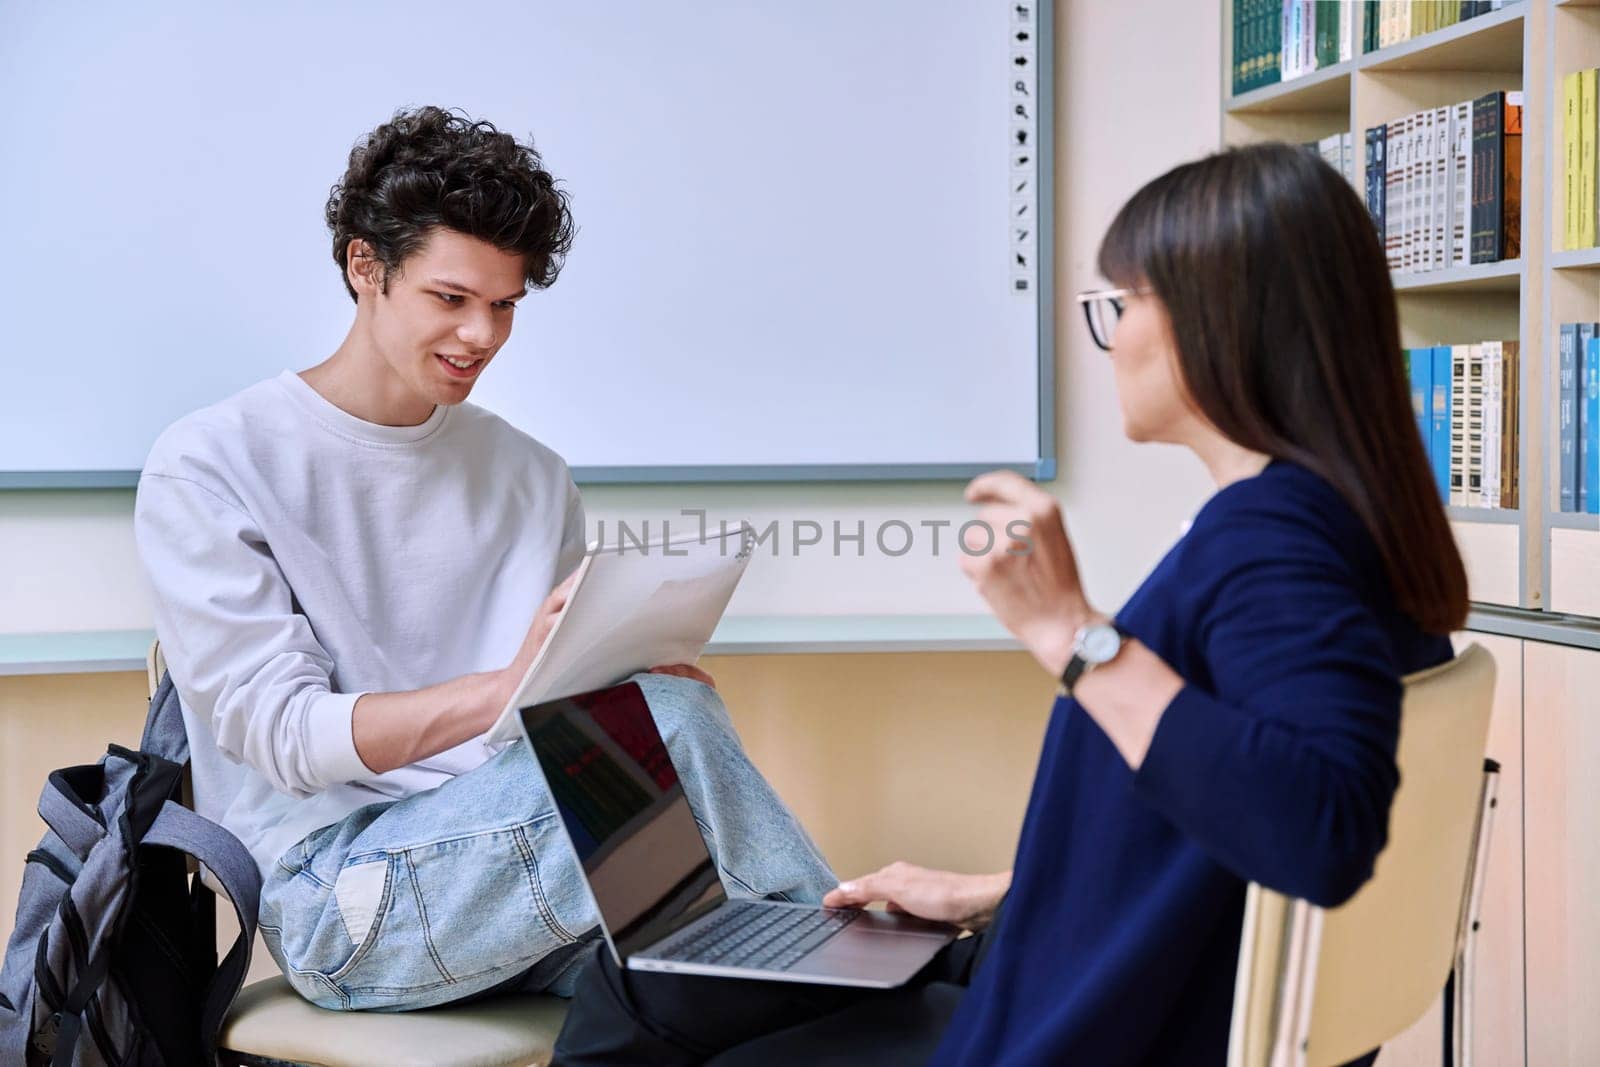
x,y
1439,411
1589,425
1567,408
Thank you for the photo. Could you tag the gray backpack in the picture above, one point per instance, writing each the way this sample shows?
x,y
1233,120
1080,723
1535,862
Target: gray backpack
x,y
113,959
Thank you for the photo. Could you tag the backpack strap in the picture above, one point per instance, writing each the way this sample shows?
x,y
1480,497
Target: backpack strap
x,y
164,733
178,827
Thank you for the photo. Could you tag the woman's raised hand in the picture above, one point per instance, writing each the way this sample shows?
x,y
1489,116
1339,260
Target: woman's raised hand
x,y
1028,572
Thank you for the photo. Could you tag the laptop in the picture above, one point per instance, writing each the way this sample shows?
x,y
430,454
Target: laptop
x,y
654,883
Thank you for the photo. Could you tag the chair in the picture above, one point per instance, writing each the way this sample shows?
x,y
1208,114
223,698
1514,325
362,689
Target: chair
x,y
1320,987
272,1026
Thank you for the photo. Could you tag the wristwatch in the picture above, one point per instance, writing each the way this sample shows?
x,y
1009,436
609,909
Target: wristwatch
x,y
1095,644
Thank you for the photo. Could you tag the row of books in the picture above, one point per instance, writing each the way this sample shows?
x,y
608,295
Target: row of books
x,y
1444,185
1578,111
1392,22
1465,398
1578,377
1280,40
1338,150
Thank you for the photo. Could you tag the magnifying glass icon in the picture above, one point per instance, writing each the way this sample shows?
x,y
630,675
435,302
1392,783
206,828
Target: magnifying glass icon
x,y
1022,111
1021,87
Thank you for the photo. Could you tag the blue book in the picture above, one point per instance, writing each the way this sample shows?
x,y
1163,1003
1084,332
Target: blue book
x,y
1439,412
1419,366
1567,406
1589,427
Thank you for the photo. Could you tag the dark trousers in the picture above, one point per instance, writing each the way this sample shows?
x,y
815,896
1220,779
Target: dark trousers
x,y
640,1017
621,1017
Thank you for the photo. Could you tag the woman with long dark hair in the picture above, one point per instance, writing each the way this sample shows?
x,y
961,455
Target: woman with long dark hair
x,y
1235,722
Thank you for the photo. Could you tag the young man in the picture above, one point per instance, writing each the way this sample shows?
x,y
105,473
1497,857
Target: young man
x,y
345,561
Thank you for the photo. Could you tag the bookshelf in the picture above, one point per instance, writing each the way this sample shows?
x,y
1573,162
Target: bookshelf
x,y
1571,41
1531,556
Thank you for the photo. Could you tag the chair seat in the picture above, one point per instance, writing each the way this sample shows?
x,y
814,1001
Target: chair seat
x,y
270,1021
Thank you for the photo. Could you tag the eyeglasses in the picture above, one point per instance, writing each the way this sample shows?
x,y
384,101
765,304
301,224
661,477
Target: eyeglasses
x,y
1102,308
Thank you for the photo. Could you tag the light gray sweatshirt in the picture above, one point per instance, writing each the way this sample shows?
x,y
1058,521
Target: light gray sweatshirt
x,y
301,557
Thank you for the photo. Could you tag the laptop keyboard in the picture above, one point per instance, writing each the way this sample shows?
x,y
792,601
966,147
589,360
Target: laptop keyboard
x,y
761,937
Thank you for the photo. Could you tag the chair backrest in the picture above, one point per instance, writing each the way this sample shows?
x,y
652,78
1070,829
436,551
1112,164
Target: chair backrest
x,y
1322,986
155,665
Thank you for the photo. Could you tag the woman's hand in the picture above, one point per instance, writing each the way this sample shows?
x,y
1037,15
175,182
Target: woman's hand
x,y
685,670
966,900
1029,574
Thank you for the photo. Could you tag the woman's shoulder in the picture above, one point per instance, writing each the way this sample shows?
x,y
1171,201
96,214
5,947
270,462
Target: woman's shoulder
x,y
1287,508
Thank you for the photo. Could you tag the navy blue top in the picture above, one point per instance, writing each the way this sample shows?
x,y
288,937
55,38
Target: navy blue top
x,y
1275,764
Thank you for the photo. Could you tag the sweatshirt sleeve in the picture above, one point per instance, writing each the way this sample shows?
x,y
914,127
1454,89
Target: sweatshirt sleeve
x,y
241,655
574,534
1283,768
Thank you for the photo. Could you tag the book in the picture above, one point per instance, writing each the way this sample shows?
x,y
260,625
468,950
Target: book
x,y
1569,154
1586,159
1589,423
1567,417
1376,178
1419,370
1394,195
1488,117
1327,33
1439,411
1461,185
1347,158
1510,424
1348,14
1586,501
1511,178
1472,464
631,608
1458,425
1441,193
1492,423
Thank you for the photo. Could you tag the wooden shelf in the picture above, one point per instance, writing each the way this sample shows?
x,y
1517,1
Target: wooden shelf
x,y
1487,43
1576,258
1501,516
1502,277
1321,90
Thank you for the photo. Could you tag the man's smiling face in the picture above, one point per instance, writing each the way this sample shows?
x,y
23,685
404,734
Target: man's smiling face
x,y
447,311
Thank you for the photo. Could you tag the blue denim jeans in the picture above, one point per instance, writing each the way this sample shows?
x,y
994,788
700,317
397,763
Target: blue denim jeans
x,y
471,886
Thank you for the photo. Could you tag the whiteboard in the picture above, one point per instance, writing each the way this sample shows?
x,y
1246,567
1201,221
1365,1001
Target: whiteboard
x,y
802,242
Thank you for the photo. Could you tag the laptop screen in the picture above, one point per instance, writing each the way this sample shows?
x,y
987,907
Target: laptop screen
x,y
625,812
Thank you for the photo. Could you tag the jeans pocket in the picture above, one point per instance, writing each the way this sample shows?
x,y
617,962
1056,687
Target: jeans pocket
x,y
361,896
493,901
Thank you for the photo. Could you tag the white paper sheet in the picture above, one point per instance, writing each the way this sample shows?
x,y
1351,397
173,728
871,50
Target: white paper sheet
x,y
632,608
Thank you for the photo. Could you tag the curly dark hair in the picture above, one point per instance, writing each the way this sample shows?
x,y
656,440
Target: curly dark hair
x,y
428,167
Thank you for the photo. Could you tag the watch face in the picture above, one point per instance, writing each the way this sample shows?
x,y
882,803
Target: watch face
x,y
1100,643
